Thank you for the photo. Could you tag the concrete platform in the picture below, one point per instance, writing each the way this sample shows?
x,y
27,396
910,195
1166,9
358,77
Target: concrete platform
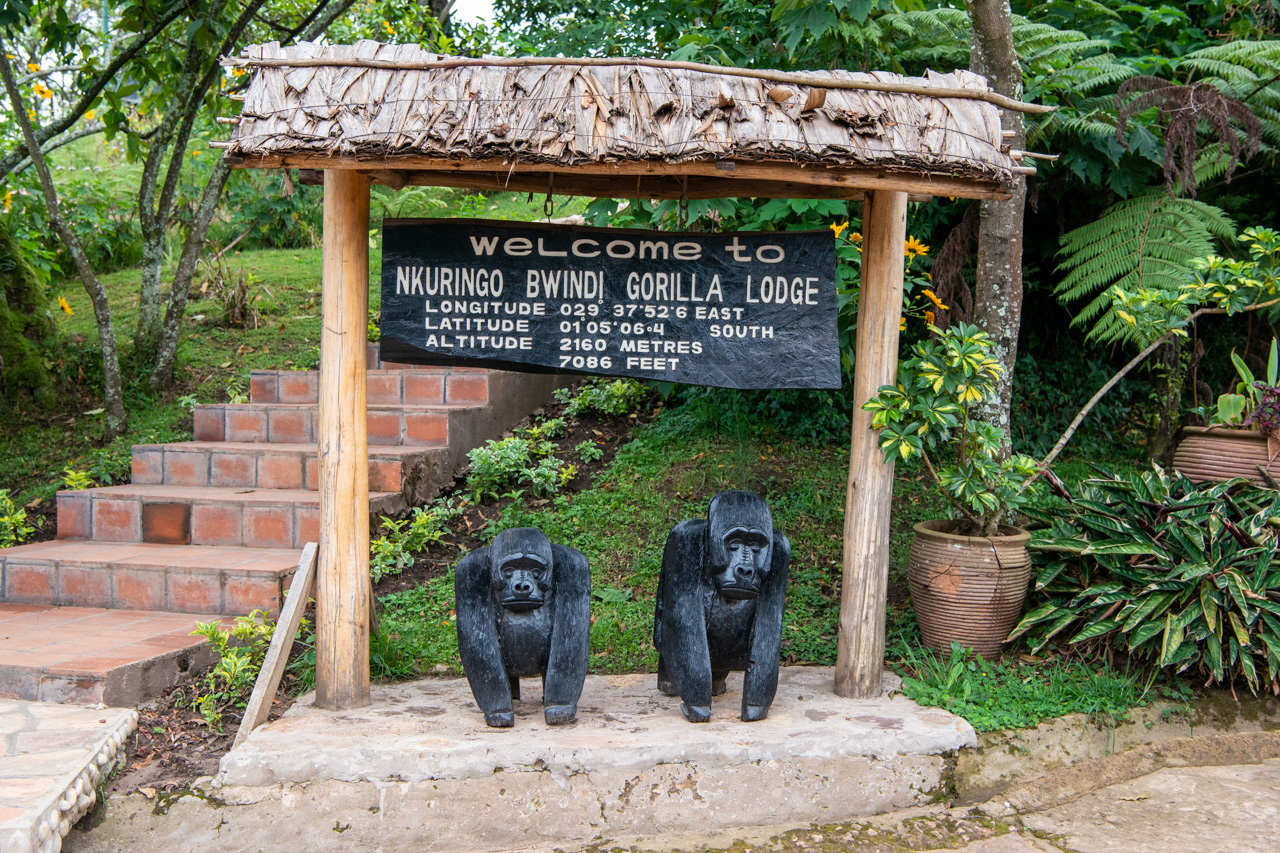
x,y
51,760
421,760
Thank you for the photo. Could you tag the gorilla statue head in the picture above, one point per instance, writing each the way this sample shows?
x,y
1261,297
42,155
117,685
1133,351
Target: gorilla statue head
x,y
741,543
522,568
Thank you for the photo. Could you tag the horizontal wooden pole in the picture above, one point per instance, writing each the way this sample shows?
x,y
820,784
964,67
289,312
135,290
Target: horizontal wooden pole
x,y
621,180
795,78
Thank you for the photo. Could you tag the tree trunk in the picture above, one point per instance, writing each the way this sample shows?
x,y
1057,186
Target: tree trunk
x,y
998,297
167,345
1168,377
116,420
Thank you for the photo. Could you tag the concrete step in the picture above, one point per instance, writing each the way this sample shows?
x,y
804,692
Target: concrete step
x,y
249,465
143,576
89,655
430,386
191,515
298,423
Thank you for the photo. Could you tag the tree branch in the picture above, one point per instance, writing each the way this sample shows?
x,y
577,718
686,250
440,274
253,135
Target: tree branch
x,y
69,138
93,90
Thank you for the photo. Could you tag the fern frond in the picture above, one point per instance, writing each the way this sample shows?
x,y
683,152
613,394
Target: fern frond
x,y
1145,242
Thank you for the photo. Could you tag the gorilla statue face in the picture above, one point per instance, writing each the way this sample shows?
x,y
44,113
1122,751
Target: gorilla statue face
x,y
521,568
741,533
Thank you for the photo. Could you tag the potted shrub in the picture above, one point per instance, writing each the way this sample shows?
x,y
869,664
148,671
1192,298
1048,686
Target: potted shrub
x,y
968,575
1240,439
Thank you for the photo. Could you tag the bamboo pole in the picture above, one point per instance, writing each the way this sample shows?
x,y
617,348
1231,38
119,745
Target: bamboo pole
x,y
342,589
860,655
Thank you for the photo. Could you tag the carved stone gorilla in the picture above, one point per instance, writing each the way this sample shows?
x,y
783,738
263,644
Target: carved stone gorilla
x,y
719,606
524,609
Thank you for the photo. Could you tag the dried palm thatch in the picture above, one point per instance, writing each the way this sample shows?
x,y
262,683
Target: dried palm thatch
x,y
621,130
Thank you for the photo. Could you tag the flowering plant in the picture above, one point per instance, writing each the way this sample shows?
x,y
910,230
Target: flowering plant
x,y
928,414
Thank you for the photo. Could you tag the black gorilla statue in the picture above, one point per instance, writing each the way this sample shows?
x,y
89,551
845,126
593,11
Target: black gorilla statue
x,y
719,606
524,609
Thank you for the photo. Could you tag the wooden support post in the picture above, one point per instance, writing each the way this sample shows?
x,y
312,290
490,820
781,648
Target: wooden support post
x,y
342,587
860,656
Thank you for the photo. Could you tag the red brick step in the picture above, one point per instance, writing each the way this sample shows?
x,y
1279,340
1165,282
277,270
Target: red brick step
x,y
426,387
186,515
88,655
248,465
298,423
143,576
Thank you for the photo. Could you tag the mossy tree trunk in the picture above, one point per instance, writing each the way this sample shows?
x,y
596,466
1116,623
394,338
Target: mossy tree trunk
x,y
998,294
116,420
25,328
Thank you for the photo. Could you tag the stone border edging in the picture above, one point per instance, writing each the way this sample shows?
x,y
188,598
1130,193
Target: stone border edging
x,y
56,815
1069,783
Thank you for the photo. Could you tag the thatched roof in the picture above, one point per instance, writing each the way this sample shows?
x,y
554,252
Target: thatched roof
x,y
581,128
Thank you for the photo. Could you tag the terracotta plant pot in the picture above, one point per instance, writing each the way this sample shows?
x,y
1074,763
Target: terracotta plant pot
x,y
1211,454
968,588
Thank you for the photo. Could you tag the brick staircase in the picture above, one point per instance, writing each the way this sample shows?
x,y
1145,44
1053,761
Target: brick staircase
x,y
215,526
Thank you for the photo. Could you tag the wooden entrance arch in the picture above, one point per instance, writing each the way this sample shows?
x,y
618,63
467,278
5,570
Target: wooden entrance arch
x,y
623,128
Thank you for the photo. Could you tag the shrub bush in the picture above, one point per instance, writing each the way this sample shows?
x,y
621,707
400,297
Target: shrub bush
x,y
1150,564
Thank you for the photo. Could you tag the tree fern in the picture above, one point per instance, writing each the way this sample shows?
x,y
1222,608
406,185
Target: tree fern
x,y
1248,71
1145,242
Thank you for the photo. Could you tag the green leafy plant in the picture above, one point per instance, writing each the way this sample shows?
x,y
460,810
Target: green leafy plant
x,y
588,451
241,650
543,430
14,527
1150,564
994,695
394,552
1143,243
614,398
75,480
499,464
928,414
611,594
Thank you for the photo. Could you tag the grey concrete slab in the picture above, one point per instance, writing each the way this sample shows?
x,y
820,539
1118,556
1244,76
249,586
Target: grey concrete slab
x,y
51,758
1228,809
432,729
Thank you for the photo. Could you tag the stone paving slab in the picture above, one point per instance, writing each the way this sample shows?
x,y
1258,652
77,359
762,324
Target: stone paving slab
x,y
93,654
432,729
51,759
1229,809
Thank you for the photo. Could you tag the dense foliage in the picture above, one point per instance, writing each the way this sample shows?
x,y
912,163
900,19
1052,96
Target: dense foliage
x,y
1151,565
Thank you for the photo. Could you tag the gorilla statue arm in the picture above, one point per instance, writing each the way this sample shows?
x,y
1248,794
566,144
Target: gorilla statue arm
x,y
570,636
760,682
481,653
680,621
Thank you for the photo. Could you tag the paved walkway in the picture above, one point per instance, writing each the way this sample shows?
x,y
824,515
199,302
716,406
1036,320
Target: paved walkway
x,y
51,758
91,654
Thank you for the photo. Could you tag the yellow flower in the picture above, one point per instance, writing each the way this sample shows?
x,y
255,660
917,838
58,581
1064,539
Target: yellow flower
x,y
64,305
390,29
32,67
839,228
31,114
237,71
914,247
42,90
89,114
855,237
929,317
932,297
8,200
902,324
195,153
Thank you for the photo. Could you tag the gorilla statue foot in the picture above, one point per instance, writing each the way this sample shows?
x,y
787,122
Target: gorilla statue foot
x,y
695,714
500,719
559,715
752,713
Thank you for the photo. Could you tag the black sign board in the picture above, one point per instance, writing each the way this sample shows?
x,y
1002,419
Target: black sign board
x,y
742,310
